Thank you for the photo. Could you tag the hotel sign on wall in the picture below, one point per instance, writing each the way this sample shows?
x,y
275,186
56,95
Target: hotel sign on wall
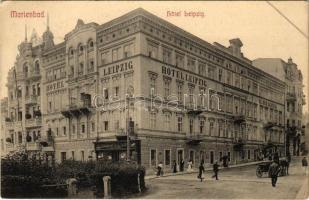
x,y
183,76
118,68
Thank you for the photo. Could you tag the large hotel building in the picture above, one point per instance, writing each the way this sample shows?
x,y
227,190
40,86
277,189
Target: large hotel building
x,y
178,96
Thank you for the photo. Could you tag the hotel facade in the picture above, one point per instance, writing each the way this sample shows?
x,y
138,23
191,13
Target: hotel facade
x,y
177,96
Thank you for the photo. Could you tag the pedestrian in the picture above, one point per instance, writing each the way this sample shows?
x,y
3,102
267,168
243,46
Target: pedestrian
x,y
201,171
276,157
215,170
273,172
160,169
182,165
174,167
288,160
305,165
190,163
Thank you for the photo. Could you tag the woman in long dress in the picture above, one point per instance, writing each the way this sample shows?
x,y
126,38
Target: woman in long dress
x,y
189,166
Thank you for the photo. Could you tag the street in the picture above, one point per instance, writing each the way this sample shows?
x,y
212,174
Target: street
x,y
240,183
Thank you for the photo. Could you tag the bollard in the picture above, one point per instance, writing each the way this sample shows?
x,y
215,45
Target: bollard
x,y
107,187
72,187
139,182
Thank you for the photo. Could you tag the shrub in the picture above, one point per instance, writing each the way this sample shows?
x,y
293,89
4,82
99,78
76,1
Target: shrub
x,y
124,177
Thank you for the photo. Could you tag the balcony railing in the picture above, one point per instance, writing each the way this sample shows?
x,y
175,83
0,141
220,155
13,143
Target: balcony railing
x,y
239,119
33,146
238,144
33,122
291,96
193,138
31,99
77,109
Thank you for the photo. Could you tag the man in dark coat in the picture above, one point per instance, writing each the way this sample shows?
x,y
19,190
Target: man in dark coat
x,y
201,171
273,172
216,170
174,167
182,165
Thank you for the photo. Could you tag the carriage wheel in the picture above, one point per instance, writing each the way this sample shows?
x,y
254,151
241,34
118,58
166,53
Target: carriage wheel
x,y
259,172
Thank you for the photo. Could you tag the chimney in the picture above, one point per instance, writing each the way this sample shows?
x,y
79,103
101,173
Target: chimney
x,y
235,47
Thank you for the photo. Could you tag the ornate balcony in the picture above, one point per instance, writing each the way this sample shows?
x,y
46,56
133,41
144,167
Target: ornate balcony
x,y
291,96
193,139
239,119
33,122
35,75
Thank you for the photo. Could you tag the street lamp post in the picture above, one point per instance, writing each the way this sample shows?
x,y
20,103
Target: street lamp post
x,y
129,94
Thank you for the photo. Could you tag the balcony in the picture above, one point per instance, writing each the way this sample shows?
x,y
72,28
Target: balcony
x,y
239,119
33,146
10,147
193,138
9,125
31,99
33,122
291,96
35,75
121,134
238,144
77,108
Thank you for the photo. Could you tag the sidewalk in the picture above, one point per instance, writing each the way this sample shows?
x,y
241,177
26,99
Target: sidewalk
x,y
149,177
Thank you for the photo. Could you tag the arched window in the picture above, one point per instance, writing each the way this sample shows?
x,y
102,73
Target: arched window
x,y
90,44
80,48
70,51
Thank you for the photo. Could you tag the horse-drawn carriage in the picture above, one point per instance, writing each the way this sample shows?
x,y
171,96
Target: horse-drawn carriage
x,y
263,168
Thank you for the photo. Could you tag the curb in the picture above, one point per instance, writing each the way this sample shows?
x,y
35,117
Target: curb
x,y
207,169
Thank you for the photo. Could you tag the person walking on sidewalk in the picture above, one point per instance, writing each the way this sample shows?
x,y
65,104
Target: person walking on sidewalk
x,y
273,172
174,167
305,165
160,170
201,171
216,170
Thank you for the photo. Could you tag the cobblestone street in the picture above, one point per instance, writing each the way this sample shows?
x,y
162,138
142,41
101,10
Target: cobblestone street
x,y
233,183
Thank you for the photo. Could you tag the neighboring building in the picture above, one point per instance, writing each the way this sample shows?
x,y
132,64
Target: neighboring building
x,y
225,106
295,98
3,118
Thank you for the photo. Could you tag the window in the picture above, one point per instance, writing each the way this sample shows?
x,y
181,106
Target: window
x,y
152,50
202,125
167,121
81,49
153,157
167,56
106,94
116,54
211,128
104,58
63,156
167,88
116,91
91,66
229,77
191,65
83,128
179,61
73,158
20,137
90,44
33,90
202,69
57,131
64,129
249,154
191,96
180,92
128,50
152,86
38,89
179,124
92,126
153,120
191,126
167,157
211,72
105,125
229,156
81,68
73,129
82,156
220,75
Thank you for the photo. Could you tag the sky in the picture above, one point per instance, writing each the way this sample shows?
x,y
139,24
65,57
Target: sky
x,y
263,32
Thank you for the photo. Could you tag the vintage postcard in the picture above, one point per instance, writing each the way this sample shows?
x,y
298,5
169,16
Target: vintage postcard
x,y
154,99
